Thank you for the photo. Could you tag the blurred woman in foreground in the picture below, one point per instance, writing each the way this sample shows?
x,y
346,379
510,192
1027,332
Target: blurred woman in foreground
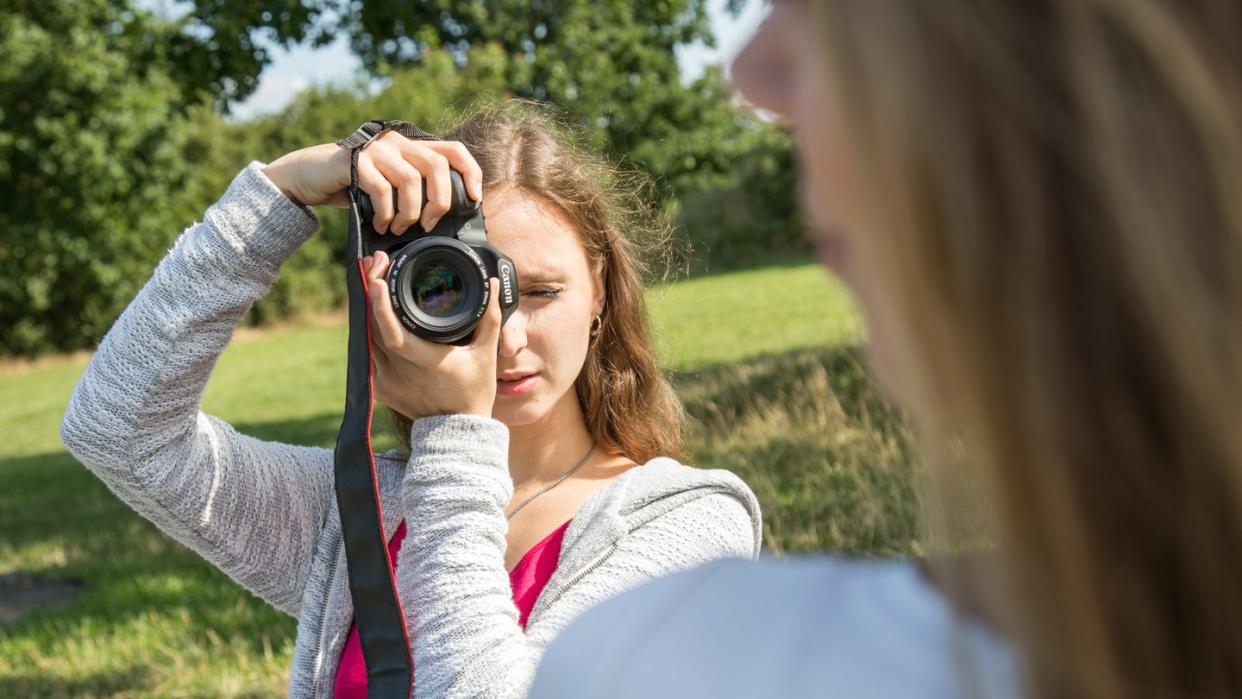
x,y
1038,204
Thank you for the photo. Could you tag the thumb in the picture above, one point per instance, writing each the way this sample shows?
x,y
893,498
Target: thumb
x,y
487,334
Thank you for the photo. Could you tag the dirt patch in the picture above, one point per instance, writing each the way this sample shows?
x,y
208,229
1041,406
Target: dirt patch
x,y
12,366
23,592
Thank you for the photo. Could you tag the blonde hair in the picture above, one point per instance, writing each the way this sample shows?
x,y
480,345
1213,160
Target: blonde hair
x,y
628,402
1054,230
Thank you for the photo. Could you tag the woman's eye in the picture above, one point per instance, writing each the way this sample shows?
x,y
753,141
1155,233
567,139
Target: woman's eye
x,y
544,293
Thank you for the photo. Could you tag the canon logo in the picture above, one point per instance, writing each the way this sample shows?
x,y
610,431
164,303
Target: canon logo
x,y
506,284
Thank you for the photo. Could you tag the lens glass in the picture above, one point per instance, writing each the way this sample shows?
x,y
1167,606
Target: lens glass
x,y
438,289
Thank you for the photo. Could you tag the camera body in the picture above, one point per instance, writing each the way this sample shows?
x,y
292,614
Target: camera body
x,y
438,279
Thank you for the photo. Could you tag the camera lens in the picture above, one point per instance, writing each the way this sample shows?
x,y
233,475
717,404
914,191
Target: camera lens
x,y
438,290
438,287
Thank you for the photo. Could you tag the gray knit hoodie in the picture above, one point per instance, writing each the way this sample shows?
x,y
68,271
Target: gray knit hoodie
x,y
265,512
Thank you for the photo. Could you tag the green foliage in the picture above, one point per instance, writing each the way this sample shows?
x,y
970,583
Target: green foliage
x,y
90,146
112,138
750,215
611,63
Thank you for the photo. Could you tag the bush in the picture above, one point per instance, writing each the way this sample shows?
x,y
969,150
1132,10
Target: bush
x,y
751,217
90,152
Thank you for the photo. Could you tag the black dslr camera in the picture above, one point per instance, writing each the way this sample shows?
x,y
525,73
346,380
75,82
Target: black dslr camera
x,y
438,279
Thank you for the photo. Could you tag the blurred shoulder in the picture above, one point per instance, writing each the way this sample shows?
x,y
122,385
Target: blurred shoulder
x,y
796,627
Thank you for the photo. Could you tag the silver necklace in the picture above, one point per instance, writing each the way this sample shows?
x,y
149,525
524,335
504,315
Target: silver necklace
x,y
554,483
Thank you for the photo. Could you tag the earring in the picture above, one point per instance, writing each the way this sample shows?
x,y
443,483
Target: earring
x,y
596,324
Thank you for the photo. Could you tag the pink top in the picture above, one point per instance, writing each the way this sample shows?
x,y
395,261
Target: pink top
x,y
527,580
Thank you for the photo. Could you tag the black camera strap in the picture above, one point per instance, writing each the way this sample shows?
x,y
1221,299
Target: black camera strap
x,y
372,580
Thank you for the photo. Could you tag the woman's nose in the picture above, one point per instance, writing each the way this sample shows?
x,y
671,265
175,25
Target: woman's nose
x,y
513,334
763,71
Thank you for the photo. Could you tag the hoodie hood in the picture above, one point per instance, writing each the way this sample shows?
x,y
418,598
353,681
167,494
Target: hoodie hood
x,y
641,495
633,499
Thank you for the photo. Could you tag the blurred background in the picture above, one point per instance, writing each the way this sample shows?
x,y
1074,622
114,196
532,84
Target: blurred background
x,y
122,120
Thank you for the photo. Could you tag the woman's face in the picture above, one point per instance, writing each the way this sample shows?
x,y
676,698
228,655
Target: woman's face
x,y
783,71
544,343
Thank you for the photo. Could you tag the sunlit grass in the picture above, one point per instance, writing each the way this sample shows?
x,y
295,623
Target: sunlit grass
x,y
726,318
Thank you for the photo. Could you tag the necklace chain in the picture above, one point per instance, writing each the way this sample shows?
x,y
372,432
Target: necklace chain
x,y
554,483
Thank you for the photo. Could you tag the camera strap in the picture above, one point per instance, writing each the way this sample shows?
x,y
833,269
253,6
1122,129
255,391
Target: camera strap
x,y
372,579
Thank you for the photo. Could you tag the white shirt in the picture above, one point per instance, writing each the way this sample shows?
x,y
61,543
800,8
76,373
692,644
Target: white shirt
x,y
801,627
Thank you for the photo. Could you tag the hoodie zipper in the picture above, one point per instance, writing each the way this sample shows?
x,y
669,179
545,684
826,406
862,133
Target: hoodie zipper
x,y
323,624
583,573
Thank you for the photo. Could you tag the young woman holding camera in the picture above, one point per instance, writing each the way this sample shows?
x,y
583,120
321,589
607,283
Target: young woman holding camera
x,y
1038,204
537,479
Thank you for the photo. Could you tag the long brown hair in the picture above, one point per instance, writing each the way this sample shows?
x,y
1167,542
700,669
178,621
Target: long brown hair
x,y
1055,229
628,402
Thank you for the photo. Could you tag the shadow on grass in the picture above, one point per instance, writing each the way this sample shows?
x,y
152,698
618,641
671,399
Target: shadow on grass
x,y
826,455
58,520
725,391
101,684
48,497
134,578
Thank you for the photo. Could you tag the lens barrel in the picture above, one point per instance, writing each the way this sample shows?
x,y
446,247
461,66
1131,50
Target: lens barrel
x,y
439,288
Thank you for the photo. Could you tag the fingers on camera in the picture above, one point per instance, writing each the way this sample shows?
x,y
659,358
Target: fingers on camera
x,y
411,166
376,265
385,320
487,333
435,169
409,184
460,160
379,190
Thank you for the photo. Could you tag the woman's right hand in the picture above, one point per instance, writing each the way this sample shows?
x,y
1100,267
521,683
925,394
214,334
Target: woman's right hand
x,y
320,175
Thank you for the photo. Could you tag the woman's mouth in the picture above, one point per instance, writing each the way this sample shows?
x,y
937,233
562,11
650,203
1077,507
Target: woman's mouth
x,y
516,383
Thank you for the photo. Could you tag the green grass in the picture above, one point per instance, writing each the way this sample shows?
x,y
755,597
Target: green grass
x,y
727,318
766,362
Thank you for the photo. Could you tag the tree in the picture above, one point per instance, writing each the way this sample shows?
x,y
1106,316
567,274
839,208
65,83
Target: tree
x,y
89,150
610,63
112,140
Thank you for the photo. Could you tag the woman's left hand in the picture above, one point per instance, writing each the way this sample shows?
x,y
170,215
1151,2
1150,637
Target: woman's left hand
x,y
417,377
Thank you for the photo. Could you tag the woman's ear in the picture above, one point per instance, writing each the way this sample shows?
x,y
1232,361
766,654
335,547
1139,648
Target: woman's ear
x,y
599,279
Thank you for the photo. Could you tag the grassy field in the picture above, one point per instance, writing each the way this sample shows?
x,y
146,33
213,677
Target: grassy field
x,y
766,362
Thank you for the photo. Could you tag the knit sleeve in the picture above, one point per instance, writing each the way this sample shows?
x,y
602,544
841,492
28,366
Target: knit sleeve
x,y
454,588
252,508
